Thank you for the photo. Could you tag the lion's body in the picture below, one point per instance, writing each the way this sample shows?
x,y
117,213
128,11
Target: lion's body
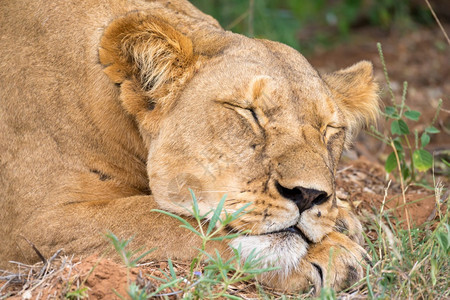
x,y
63,135
77,155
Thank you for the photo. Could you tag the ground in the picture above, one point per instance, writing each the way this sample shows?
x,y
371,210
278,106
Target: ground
x,y
419,57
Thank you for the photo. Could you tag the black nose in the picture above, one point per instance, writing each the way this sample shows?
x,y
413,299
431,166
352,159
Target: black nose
x,y
304,198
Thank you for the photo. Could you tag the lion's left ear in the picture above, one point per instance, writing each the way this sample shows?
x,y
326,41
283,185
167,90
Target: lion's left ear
x,y
150,60
356,93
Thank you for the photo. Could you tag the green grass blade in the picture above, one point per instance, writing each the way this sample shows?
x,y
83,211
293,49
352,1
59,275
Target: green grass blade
x,y
216,215
232,297
238,213
225,237
137,259
195,209
182,220
171,270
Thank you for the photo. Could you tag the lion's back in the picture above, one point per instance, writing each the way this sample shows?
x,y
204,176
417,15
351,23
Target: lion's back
x,y
52,93
61,124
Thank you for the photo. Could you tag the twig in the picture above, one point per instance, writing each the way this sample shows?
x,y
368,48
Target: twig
x,y
438,109
6,284
251,10
344,169
35,249
380,221
437,21
403,194
48,262
237,21
386,75
20,264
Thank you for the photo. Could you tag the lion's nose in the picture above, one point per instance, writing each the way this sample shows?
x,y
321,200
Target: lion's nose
x,y
304,198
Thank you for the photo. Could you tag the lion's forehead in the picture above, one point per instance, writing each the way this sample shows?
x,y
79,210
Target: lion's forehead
x,y
292,107
229,78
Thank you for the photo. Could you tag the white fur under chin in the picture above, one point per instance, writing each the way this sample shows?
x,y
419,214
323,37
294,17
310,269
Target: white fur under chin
x,y
283,250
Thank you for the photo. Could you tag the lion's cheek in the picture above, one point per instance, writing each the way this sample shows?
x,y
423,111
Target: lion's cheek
x,y
318,221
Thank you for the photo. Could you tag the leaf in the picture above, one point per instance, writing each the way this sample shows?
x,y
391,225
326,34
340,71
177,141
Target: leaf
x,y
395,128
216,215
443,239
424,139
403,127
171,269
446,162
231,297
195,209
390,110
226,237
193,264
433,271
77,294
405,172
186,223
162,287
192,229
412,115
391,163
432,130
422,159
398,145
137,259
240,212
399,127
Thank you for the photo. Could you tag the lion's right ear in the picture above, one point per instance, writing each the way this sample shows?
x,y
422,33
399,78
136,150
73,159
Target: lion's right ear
x,y
149,59
356,92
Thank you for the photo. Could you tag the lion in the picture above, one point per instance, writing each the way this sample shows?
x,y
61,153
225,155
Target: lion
x,y
110,109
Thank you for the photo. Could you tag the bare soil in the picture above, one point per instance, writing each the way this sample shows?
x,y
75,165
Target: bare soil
x,y
420,57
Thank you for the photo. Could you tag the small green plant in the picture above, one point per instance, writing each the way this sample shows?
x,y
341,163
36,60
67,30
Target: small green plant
x,y
130,259
79,293
408,155
210,275
218,274
327,293
136,292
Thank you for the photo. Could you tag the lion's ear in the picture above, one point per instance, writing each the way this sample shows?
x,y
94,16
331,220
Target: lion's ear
x,y
149,59
356,93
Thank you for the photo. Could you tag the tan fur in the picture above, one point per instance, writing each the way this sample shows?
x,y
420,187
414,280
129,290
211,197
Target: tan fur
x,y
109,109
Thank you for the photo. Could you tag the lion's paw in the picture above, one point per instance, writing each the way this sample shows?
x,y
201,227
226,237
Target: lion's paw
x,y
336,261
347,223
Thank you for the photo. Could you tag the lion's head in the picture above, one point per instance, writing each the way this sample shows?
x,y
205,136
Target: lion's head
x,y
246,117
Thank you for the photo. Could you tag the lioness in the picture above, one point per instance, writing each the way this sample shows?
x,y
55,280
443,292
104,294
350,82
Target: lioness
x,y
110,109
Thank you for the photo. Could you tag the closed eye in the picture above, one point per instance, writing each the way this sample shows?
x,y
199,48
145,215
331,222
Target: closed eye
x,y
254,115
249,114
331,131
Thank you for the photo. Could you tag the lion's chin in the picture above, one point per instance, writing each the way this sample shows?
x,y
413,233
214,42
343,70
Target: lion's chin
x,y
283,249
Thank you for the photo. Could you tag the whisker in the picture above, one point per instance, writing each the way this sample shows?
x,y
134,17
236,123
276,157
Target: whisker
x,y
218,191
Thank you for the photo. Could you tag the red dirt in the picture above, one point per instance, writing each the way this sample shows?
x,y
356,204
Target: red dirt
x,y
106,277
101,276
363,184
